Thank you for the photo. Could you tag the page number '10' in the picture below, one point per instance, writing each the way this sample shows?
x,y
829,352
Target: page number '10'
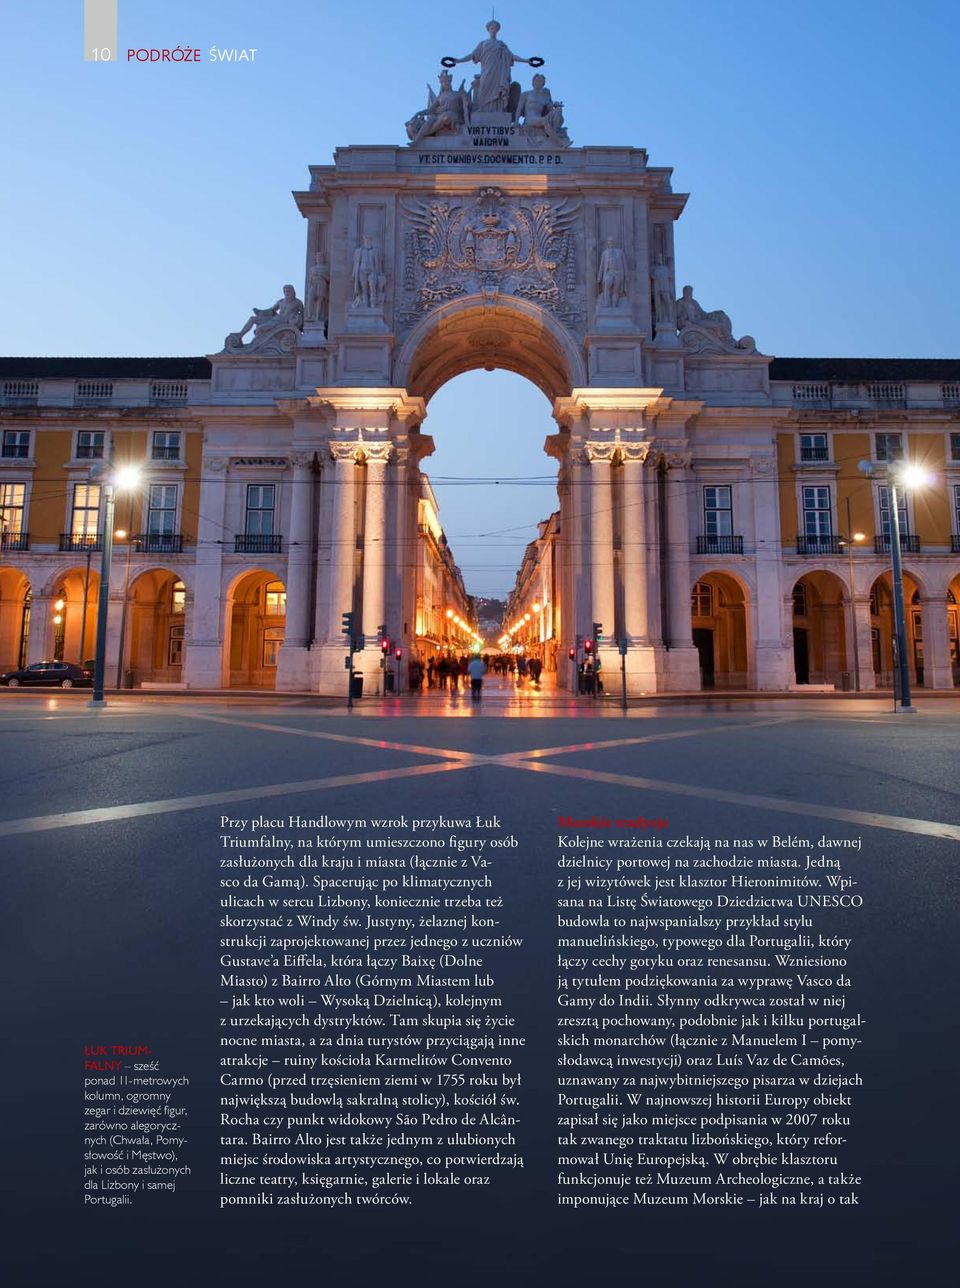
x,y
100,31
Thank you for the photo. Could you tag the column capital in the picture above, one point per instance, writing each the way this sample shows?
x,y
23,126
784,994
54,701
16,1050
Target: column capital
x,y
302,460
375,453
598,453
632,453
343,453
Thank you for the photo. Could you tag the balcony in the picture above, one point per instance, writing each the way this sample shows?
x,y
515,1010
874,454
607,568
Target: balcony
x,y
82,541
715,545
257,543
808,454
820,545
14,541
159,543
909,544
165,453
20,393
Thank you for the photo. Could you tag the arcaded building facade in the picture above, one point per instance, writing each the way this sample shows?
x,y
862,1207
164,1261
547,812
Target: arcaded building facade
x,y
723,511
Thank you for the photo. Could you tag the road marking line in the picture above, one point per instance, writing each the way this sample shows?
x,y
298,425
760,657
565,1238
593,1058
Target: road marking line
x,y
177,804
865,818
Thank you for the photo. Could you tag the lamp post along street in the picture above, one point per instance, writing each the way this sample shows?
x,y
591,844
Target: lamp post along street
x,y
103,602
899,615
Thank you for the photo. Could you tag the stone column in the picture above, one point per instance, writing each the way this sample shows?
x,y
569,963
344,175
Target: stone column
x,y
293,664
937,671
678,552
634,546
773,665
861,640
40,641
344,536
375,541
599,456
300,548
203,663
682,660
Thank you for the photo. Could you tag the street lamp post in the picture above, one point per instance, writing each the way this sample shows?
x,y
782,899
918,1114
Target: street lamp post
x,y
103,602
898,479
124,478
899,615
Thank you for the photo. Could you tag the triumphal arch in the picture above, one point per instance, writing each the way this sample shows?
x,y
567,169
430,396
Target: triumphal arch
x,y
485,238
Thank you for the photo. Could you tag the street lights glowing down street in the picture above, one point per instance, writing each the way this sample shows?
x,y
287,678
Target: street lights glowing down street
x,y
125,479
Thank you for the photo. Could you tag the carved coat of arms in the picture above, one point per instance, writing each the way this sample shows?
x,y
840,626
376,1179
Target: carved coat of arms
x,y
492,246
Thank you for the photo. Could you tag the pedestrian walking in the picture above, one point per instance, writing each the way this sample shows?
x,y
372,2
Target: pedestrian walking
x,y
476,669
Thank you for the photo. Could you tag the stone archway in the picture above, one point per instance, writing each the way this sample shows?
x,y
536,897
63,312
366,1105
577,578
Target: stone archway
x,y
156,627
15,605
882,629
471,333
254,630
63,617
719,611
820,655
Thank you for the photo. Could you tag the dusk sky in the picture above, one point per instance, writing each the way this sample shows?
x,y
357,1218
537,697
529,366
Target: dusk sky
x,y
145,208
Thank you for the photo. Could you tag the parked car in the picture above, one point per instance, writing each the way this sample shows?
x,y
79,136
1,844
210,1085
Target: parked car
x,y
66,675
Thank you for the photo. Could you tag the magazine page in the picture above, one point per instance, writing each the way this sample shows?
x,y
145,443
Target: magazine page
x,y
479,644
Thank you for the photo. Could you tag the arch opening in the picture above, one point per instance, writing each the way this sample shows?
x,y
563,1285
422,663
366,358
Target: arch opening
x,y
157,608
472,333
819,603
719,606
255,618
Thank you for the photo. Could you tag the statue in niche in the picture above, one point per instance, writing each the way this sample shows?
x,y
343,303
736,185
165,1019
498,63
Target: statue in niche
x,y
496,60
664,308
277,326
612,275
318,289
446,113
708,332
540,114
369,280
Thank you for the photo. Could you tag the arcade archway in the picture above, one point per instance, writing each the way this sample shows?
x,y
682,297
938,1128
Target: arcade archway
x,y
254,630
15,603
819,602
719,610
156,608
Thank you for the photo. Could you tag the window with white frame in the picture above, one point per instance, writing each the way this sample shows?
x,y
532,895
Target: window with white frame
x,y
275,599
16,444
814,447
162,509
701,600
13,497
85,518
889,447
817,512
718,511
883,496
955,447
90,444
166,445
272,642
261,502
175,646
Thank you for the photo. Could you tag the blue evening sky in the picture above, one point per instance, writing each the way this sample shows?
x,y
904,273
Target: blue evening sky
x,y
144,209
